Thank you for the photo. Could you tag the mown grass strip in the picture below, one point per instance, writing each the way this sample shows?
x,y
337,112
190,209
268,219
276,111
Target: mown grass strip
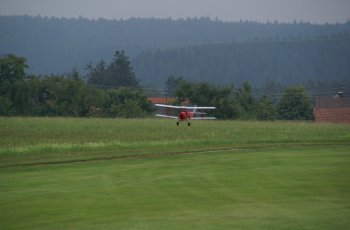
x,y
150,153
276,188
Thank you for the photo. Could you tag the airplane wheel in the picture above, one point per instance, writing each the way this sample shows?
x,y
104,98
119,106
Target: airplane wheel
x,y
189,124
177,123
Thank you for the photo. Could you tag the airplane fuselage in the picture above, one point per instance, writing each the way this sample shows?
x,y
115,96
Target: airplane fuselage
x,y
185,115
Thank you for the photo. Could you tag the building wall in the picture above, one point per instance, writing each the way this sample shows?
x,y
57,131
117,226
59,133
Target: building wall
x,y
339,115
161,100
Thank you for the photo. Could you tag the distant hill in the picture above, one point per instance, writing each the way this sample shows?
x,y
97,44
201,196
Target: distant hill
x,y
287,62
56,45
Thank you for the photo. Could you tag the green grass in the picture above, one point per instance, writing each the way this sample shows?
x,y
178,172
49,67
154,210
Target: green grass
x,y
225,175
31,140
283,188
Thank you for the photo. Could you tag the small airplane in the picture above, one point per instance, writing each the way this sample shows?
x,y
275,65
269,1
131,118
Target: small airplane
x,y
186,113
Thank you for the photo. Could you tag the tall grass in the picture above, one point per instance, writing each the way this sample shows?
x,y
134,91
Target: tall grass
x,y
76,137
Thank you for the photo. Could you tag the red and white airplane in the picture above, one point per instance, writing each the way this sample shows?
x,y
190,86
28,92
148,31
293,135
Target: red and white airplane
x,y
186,113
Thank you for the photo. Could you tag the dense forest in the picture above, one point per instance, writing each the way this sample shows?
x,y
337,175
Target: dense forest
x,y
287,62
199,49
69,95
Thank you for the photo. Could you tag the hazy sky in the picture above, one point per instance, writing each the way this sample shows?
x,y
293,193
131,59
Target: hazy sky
x,y
314,11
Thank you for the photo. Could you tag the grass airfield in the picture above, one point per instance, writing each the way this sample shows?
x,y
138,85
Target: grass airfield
x,y
63,173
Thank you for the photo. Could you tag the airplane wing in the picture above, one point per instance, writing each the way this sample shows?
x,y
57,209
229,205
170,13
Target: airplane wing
x,y
166,116
184,107
169,106
199,107
203,118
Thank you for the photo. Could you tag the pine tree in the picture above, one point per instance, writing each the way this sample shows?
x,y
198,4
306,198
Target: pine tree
x,y
119,73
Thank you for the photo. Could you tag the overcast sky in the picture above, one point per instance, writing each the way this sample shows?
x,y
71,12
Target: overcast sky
x,y
314,11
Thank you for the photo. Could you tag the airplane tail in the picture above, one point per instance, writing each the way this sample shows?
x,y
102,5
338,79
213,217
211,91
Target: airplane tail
x,y
194,109
195,113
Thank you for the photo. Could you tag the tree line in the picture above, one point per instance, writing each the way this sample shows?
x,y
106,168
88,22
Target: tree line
x,y
239,103
66,95
72,95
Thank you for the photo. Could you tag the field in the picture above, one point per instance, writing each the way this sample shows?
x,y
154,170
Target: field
x,y
65,173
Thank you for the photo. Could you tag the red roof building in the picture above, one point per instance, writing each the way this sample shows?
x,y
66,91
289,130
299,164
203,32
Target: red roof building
x,y
334,109
161,100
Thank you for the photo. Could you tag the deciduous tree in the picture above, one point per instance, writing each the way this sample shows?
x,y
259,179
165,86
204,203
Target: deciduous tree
x,y
295,104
